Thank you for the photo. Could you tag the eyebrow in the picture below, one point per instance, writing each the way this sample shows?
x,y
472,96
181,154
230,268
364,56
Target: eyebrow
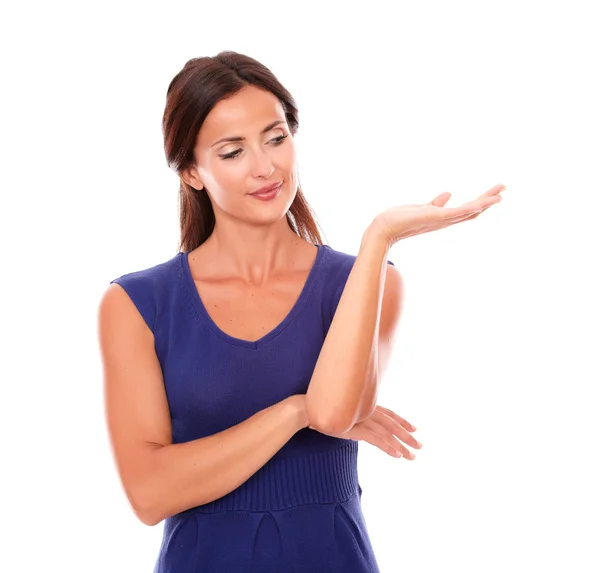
x,y
238,138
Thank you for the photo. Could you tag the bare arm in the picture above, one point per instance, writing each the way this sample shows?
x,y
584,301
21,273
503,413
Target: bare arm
x,y
343,387
161,478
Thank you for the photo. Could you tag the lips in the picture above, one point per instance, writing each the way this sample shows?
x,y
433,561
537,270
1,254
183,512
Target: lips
x,y
266,189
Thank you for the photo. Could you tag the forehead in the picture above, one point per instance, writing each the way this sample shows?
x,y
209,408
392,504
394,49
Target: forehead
x,y
245,113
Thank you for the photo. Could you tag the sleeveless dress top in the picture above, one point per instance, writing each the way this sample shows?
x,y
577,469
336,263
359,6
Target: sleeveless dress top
x,y
301,512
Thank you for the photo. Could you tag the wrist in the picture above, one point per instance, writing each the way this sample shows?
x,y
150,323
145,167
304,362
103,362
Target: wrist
x,y
375,240
376,233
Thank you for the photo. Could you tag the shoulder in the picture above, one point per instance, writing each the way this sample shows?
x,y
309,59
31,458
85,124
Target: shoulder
x,y
144,288
150,275
337,262
340,263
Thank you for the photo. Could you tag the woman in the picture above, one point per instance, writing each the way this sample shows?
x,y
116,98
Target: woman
x,y
241,374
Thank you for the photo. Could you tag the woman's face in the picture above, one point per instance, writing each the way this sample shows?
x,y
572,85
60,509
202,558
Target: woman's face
x,y
263,154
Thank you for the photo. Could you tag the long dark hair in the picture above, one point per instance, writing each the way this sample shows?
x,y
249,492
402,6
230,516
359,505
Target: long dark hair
x,y
192,93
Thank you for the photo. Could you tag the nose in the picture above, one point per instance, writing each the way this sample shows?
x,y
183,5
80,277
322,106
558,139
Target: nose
x,y
262,165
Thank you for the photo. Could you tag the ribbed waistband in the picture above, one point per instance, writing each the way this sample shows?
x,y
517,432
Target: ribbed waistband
x,y
284,482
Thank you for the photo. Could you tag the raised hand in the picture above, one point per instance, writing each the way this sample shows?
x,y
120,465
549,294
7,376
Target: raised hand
x,y
384,429
408,220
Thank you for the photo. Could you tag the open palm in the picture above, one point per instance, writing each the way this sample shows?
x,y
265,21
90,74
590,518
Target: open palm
x,y
408,220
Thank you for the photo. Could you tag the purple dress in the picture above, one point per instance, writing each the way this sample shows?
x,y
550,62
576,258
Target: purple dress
x,y
301,512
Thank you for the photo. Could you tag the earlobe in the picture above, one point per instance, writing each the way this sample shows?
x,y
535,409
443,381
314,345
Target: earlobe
x,y
189,177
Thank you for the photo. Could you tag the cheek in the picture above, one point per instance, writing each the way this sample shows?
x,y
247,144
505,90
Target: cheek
x,y
227,175
290,155
287,163
293,160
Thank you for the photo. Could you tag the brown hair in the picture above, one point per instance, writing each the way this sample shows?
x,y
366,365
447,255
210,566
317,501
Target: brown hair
x,y
192,93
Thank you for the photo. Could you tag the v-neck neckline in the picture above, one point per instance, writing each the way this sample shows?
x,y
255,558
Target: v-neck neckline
x,y
198,304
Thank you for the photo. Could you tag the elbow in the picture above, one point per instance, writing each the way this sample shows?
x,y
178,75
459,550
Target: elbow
x,y
147,518
337,422
340,427
321,419
332,425
143,512
150,511
147,515
344,422
143,506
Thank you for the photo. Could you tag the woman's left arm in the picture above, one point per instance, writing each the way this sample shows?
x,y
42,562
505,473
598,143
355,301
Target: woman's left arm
x,y
343,388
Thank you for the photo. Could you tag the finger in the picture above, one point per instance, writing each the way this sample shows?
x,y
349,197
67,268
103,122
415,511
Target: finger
x,y
403,424
441,199
486,199
465,216
402,421
483,202
494,190
396,428
455,220
375,436
387,430
470,208
386,442
399,447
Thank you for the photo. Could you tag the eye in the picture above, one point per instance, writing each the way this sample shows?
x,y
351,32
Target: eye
x,y
278,140
275,141
231,155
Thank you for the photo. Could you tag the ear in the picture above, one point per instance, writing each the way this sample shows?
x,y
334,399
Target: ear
x,y
191,177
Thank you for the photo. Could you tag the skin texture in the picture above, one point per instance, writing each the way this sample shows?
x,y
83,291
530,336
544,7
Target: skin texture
x,y
249,273
409,220
251,239
252,268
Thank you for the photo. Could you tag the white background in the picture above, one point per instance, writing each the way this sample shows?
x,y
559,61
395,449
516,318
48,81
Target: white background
x,y
496,361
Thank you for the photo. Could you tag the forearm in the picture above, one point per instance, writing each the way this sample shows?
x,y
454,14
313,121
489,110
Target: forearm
x,y
343,388
182,476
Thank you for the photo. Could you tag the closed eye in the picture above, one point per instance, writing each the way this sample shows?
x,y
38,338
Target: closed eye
x,y
275,141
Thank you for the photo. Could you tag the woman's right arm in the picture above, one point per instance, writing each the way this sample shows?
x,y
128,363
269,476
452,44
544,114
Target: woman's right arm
x,y
160,478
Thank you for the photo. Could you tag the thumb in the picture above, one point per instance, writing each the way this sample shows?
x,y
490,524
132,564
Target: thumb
x,y
441,199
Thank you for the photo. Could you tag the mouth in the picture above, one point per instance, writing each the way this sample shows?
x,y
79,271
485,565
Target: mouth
x,y
268,195
267,190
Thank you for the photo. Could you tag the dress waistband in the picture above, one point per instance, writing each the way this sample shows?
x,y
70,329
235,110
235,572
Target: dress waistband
x,y
309,477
